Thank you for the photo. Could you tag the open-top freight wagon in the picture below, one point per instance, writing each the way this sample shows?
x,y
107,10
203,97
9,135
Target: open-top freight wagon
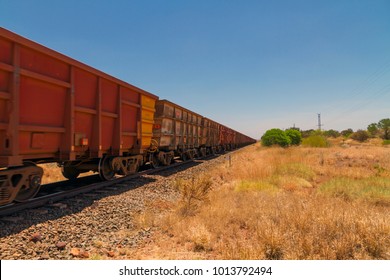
x,y
177,132
56,109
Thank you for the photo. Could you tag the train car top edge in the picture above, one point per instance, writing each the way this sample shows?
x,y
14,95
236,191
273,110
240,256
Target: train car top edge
x,y
13,37
180,107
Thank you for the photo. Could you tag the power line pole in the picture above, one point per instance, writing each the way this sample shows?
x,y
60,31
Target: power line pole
x,y
319,122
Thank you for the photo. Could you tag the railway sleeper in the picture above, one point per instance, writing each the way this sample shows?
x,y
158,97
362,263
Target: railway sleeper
x,y
20,183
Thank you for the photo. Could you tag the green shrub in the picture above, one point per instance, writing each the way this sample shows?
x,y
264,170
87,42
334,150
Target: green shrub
x,y
295,136
332,133
318,141
347,132
307,133
386,142
275,136
360,135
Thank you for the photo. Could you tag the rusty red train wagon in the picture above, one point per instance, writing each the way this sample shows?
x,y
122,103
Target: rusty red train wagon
x,y
211,135
54,108
242,140
227,136
177,132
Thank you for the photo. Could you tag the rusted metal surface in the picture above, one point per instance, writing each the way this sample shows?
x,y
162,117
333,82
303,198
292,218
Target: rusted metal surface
x,y
176,127
54,107
20,184
211,135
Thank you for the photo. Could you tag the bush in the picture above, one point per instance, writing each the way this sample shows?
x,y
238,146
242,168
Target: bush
x,y
360,135
347,132
295,136
384,125
332,133
386,142
275,136
318,141
307,133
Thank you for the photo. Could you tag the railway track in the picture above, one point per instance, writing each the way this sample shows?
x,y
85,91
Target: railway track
x,y
73,189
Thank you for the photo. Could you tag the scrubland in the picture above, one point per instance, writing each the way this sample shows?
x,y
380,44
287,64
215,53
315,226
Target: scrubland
x,y
280,203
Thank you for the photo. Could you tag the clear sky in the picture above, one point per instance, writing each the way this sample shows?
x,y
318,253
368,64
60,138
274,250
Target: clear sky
x,y
251,65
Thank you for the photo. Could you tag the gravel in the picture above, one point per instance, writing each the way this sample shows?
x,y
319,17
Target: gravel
x,y
98,225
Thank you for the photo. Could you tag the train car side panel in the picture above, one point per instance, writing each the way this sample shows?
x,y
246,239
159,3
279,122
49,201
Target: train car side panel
x,y
147,118
54,108
176,131
129,125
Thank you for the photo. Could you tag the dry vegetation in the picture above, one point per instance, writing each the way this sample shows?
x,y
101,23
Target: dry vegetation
x,y
52,173
275,203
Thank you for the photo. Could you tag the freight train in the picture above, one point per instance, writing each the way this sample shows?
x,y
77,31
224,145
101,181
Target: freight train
x,y
56,109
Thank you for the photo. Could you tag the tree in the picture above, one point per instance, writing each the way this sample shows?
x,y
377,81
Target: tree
x,y
295,128
295,136
332,133
384,124
275,136
347,132
307,133
360,135
373,129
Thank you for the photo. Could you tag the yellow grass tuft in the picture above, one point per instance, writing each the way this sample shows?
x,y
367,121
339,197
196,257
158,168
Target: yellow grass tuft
x,y
259,185
193,192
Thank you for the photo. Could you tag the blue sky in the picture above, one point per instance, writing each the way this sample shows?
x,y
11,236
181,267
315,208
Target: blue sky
x,y
251,65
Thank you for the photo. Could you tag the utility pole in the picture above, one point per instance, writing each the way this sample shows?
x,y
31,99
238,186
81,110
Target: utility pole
x,y
319,122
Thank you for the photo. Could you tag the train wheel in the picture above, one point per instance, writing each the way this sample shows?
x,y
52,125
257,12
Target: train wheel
x,y
70,172
105,170
31,186
153,159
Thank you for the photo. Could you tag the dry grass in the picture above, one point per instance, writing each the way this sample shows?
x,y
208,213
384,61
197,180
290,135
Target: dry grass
x,y
274,203
271,203
286,226
194,192
52,173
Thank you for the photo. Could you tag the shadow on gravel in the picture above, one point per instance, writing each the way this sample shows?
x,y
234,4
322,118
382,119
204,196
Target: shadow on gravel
x,y
24,219
189,164
15,223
